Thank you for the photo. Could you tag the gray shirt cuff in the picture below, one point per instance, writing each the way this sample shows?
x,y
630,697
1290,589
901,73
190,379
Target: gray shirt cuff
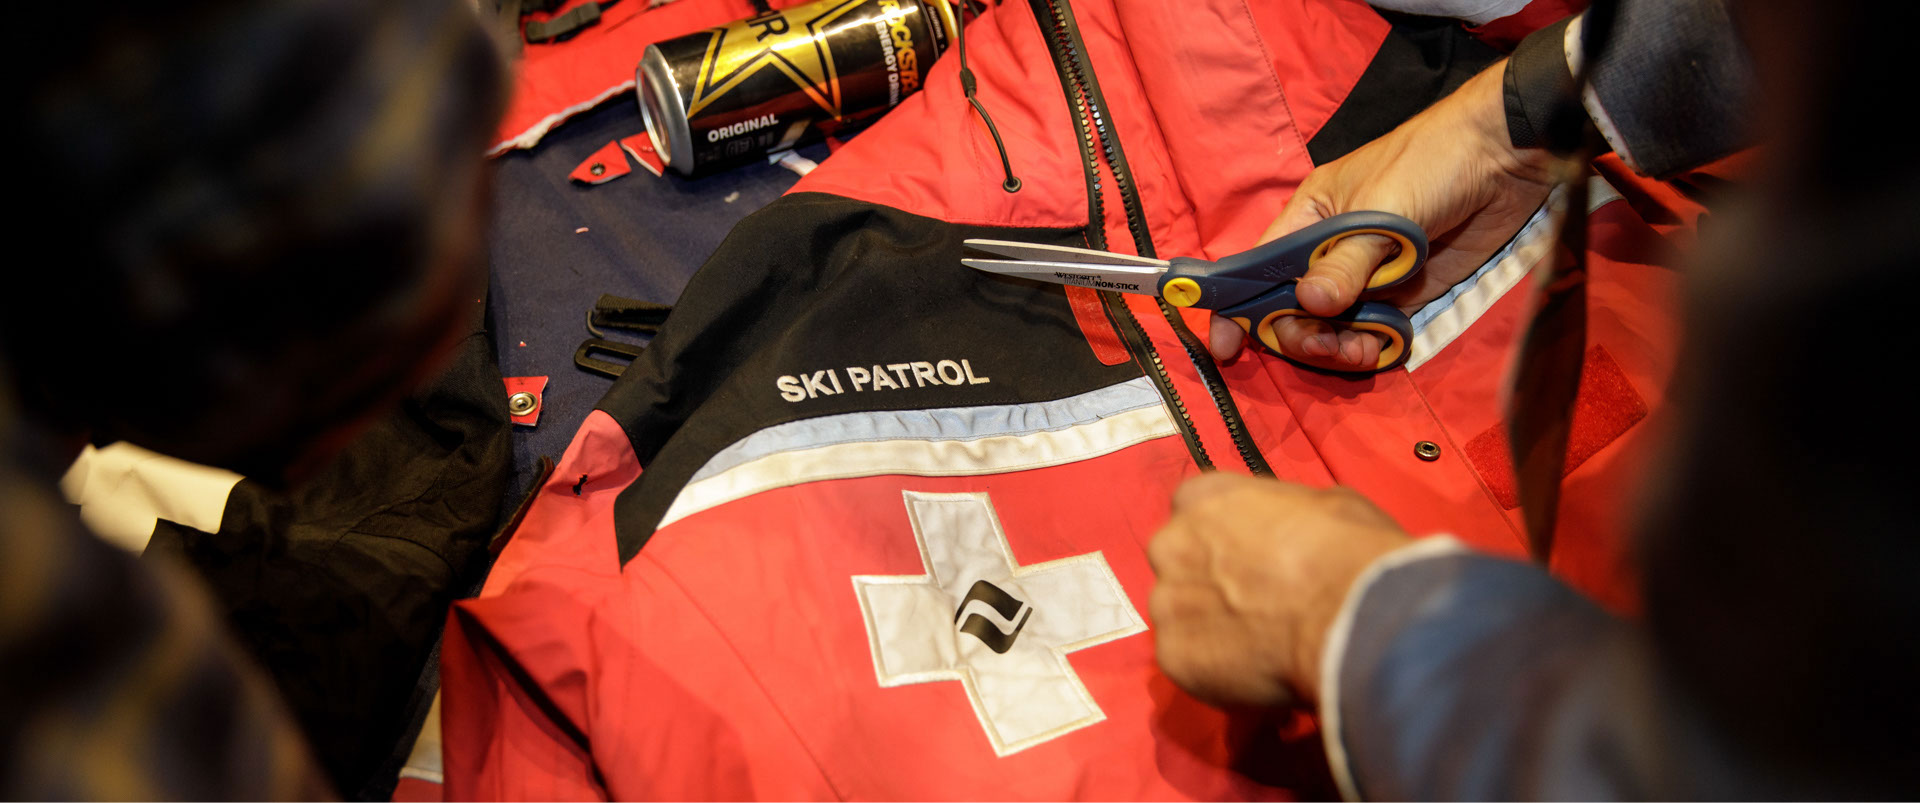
x,y
1451,675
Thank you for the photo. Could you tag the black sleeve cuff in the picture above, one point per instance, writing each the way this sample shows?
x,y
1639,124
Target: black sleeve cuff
x,y
1539,86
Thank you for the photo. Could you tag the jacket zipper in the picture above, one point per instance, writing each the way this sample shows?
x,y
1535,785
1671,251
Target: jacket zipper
x,y
1075,78
1100,147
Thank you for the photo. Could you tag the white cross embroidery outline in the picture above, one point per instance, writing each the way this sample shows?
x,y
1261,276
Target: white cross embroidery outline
x,y
912,636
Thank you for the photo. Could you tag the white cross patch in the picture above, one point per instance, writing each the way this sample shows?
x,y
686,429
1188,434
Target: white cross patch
x,y
1003,630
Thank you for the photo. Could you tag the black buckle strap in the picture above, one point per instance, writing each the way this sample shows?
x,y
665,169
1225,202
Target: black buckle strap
x,y
614,312
563,27
583,356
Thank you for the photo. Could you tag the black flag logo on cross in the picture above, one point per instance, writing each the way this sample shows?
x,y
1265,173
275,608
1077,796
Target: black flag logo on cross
x,y
995,636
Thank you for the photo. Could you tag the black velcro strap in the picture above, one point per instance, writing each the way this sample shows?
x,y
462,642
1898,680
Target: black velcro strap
x,y
563,26
1538,85
627,313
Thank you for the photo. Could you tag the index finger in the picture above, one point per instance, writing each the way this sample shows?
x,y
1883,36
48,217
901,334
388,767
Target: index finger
x,y
1211,486
1301,211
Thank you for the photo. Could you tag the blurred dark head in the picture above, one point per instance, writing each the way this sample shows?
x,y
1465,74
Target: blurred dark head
x,y
1782,560
243,226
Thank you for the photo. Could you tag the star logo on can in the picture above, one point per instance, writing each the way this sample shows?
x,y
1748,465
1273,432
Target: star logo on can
x,y
795,48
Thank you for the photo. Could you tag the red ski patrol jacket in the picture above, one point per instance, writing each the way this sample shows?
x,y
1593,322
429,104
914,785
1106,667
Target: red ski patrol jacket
x,y
865,523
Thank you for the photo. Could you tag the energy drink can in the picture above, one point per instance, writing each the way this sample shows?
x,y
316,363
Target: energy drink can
x,y
729,95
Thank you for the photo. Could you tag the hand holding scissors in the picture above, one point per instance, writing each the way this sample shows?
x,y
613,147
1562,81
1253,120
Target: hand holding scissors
x,y
1254,288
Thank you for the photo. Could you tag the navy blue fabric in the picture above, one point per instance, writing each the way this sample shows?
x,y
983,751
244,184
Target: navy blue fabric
x,y
645,237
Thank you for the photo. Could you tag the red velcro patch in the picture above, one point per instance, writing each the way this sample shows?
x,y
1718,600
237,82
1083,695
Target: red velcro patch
x,y
1087,310
1605,409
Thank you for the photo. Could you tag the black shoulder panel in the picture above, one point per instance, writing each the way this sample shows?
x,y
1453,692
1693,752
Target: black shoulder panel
x,y
812,285
1422,60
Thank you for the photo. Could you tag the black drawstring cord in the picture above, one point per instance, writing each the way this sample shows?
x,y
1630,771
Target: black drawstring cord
x,y
1012,184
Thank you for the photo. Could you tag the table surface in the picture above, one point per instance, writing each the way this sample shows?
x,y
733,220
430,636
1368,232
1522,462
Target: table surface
x,y
644,237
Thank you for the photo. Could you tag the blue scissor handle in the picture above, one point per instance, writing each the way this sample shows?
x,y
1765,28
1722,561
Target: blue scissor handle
x,y
1223,283
1259,315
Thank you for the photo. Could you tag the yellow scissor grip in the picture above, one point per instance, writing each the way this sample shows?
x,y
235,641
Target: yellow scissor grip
x,y
1181,292
1265,331
1390,350
1388,273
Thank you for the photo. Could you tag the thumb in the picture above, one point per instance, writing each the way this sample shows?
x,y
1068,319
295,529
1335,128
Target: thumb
x,y
1224,338
1335,281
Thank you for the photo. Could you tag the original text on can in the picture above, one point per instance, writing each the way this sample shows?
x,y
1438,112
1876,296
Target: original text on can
x,y
735,93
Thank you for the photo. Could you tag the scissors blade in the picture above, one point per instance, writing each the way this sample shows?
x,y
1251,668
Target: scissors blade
x,y
1124,278
1061,253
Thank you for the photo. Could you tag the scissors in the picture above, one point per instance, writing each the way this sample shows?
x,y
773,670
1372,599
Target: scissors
x,y
1253,288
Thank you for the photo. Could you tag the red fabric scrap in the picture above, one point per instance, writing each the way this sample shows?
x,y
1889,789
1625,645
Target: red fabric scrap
x,y
603,166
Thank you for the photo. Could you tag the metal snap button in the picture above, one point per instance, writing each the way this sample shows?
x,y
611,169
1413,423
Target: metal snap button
x,y
597,169
1427,450
522,403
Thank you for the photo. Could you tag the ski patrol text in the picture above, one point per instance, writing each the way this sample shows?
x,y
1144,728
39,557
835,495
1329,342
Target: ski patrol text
x,y
893,376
